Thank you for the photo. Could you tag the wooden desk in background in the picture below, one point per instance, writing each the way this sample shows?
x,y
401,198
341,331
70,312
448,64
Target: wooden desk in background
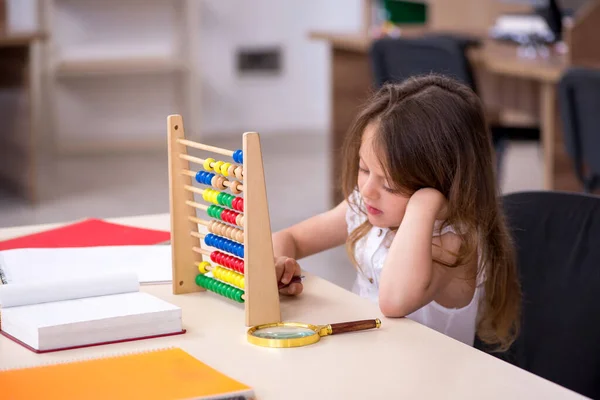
x,y
402,359
20,112
507,83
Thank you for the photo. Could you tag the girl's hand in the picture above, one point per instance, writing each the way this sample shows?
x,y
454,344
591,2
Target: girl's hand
x,y
286,268
430,200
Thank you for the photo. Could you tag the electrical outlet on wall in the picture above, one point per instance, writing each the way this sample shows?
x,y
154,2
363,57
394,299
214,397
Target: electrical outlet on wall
x,y
259,60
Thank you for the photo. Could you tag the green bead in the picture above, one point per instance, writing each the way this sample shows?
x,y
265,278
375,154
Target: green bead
x,y
220,198
211,211
230,199
238,297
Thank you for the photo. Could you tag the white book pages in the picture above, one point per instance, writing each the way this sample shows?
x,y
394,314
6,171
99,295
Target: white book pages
x,y
56,290
152,264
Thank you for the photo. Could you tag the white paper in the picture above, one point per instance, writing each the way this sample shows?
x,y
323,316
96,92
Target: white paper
x,y
118,306
151,264
16,294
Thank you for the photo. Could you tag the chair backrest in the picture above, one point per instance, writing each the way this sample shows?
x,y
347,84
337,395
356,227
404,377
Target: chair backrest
x,y
578,98
396,59
557,236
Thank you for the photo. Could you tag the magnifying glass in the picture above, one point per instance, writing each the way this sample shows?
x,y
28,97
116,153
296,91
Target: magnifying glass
x,y
295,334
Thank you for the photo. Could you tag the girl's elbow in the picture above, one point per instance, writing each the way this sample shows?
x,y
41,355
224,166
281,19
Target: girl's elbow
x,y
391,308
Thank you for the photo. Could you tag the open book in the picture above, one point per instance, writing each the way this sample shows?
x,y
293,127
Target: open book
x,y
82,311
152,264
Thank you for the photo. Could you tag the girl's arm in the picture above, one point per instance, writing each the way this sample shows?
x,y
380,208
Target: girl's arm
x,y
313,235
321,232
410,278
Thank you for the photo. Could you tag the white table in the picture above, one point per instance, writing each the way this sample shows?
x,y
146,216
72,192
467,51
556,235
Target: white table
x,y
402,359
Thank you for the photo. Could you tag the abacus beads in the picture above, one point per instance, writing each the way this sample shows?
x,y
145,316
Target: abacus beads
x,y
221,229
223,199
238,156
228,261
228,276
223,214
220,288
224,244
223,236
223,168
218,182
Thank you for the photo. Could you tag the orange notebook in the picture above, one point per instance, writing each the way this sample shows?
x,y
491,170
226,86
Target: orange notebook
x,y
165,374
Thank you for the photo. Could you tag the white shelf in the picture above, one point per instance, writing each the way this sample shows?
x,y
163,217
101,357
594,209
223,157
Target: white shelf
x,y
141,65
117,68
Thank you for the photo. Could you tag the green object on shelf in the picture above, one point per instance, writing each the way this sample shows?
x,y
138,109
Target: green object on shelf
x,y
405,12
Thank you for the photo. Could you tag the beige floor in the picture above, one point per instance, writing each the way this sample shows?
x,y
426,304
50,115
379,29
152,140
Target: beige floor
x,y
296,171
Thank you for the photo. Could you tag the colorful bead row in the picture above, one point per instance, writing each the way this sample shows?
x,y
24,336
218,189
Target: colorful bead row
x,y
226,215
224,244
228,261
223,168
228,276
221,229
223,199
220,288
218,182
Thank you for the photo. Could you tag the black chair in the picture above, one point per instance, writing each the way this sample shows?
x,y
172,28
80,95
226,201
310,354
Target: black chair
x,y
557,236
396,59
579,99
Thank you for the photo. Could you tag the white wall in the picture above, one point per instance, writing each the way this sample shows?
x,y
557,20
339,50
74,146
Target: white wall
x,y
297,100
127,109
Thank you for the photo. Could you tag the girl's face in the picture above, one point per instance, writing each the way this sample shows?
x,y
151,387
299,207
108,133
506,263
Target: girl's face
x,y
384,208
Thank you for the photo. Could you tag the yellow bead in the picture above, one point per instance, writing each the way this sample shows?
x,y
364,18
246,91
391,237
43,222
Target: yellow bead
x,y
217,166
225,169
206,194
242,283
202,267
207,163
214,196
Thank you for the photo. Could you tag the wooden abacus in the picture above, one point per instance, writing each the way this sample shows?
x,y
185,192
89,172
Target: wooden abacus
x,y
243,267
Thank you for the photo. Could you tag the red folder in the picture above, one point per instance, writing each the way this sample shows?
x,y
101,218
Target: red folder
x,y
88,233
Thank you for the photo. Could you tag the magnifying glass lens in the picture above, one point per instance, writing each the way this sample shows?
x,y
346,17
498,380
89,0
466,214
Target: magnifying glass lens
x,y
283,332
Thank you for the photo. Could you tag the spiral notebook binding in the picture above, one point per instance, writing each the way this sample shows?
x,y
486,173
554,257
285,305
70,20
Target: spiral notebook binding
x,y
92,358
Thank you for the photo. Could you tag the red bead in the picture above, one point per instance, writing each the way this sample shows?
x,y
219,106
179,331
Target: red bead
x,y
214,257
238,204
240,265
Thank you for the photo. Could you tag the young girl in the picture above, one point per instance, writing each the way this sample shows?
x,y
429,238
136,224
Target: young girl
x,y
421,220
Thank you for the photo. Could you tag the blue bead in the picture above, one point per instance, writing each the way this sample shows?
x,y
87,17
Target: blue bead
x,y
201,177
238,156
208,239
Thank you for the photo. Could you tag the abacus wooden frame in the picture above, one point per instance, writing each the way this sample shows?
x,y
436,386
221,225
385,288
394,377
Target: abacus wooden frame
x,y
261,292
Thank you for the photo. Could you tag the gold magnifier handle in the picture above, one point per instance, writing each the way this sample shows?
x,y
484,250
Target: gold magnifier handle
x,y
353,326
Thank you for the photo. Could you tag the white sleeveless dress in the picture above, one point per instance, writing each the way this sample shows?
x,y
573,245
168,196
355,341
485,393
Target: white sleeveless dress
x,y
371,251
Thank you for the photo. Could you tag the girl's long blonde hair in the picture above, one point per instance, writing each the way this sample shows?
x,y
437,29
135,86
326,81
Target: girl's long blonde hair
x,y
433,133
